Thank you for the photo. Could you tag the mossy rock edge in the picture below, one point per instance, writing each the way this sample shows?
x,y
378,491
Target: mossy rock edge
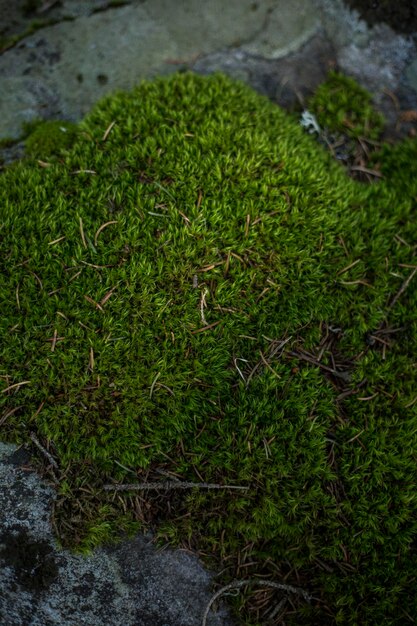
x,y
195,287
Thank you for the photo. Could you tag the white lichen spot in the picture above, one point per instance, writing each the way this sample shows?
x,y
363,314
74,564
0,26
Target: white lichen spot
x,y
309,122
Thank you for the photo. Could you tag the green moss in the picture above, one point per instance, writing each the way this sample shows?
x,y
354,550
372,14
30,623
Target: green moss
x,y
398,166
342,106
165,294
46,138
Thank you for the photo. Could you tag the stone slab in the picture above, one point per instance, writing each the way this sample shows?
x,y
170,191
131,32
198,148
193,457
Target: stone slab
x,y
130,584
61,70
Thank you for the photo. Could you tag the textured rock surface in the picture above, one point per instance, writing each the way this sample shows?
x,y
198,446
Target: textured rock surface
x,y
282,49
131,584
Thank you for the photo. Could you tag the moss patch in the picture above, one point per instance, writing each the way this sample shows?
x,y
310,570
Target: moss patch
x,y
195,291
350,127
46,138
343,106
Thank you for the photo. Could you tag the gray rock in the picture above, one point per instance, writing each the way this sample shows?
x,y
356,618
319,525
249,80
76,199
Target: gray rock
x,y
289,25
129,584
286,80
24,99
411,74
81,60
376,56
282,49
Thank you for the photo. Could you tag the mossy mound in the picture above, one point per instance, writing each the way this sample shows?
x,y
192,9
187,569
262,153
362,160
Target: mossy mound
x,y
196,288
48,138
343,106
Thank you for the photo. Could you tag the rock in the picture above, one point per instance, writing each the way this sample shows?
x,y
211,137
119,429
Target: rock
x,y
285,80
411,74
289,26
81,60
283,49
129,584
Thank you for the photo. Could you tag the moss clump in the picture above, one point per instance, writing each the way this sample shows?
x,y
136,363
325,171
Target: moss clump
x,y
195,287
398,165
48,138
343,106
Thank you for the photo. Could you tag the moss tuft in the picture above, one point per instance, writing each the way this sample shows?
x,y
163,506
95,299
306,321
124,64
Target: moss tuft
x,y
47,138
343,106
194,290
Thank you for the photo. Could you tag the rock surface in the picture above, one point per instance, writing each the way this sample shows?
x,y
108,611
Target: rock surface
x,y
282,49
130,584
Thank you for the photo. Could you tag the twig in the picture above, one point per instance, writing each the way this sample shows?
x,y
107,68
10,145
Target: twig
x,y
91,360
107,131
102,227
202,305
169,485
24,382
55,241
107,296
124,467
238,584
267,365
279,346
154,383
277,609
366,170
402,289
304,357
96,304
44,451
82,233
201,330
16,408
238,368
348,267
54,340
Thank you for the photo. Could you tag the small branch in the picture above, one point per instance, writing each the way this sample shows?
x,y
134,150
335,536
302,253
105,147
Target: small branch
x,y
103,226
82,233
44,451
202,305
154,383
16,408
16,385
238,584
276,347
108,131
365,170
170,485
201,330
304,357
402,289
